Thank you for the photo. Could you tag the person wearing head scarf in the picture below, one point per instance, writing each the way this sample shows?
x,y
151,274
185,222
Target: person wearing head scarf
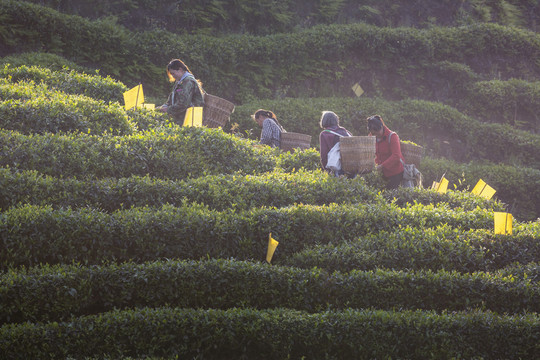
x,y
330,135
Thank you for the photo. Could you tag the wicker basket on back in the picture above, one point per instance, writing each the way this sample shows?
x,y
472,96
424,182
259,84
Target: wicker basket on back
x,y
290,141
216,111
357,154
412,153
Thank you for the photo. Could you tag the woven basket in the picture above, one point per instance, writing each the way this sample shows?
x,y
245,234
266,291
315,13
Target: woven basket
x,y
357,154
216,111
412,153
290,141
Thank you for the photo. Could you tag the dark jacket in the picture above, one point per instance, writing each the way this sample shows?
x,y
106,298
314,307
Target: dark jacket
x,y
185,93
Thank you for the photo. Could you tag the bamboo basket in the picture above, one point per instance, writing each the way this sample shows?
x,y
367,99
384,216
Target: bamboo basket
x,y
357,154
216,111
412,153
290,141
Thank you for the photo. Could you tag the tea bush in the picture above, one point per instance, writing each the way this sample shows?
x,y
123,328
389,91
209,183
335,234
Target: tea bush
x,y
237,191
266,17
276,334
79,290
513,102
414,248
518,187
304,63
34,234
168,152
35,109
43,60
69,81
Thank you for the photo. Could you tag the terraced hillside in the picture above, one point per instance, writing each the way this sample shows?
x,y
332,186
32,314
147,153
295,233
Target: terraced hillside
x,y
124,235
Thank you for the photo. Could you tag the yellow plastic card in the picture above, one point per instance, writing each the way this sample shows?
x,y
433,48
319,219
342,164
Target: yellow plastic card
x,y
443,186
488,192
435,185
484,190
193,116
503,223
149,106
134,97
272,245
358,91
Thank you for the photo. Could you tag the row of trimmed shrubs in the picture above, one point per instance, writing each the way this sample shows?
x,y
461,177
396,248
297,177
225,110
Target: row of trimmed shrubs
x,y
440,248
220,192
266,17
518,187
179,153
170,152
32,234
69,81
311,61
277,334
56,293
30,108
516,102
36,109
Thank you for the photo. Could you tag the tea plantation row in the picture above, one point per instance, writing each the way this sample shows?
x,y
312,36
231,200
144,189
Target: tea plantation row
x,y
277,334
320,61
31,108
220,192
222,284
32,235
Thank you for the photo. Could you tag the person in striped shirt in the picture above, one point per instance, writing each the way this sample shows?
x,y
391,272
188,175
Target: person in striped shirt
x,y
271,128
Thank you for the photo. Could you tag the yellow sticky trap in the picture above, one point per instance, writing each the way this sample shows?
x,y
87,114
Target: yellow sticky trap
x,y
484,190
272,245
435,185
358,91
503,223
149,106
193,116
443,186
134,97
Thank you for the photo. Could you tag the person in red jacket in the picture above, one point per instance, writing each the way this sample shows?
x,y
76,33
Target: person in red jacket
x,y
388,155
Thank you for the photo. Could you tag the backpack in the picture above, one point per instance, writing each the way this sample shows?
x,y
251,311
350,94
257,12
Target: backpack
x,y
334,156
412,177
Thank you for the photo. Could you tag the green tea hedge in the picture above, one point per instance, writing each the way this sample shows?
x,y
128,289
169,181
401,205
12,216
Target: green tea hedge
x,y
220,192
518,187
57,293
265,16
277,334
69,81
36,110
53,62
303,63
440,248
168,153
515,102
32,235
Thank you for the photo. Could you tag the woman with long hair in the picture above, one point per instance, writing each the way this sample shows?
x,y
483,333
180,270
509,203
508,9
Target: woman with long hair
x,y
187,91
